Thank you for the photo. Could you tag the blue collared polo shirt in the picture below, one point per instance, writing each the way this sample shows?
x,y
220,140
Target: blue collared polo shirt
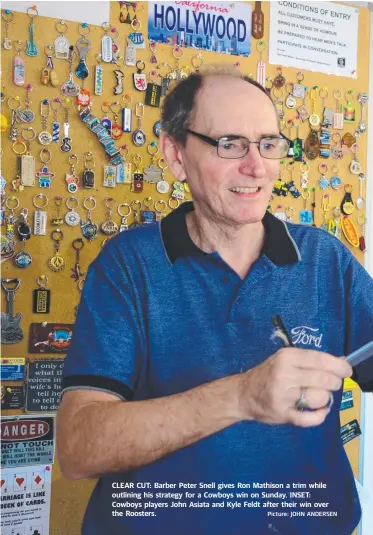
x,y
159,316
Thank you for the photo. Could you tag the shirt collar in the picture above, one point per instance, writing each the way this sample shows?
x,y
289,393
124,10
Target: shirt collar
x,y
279,246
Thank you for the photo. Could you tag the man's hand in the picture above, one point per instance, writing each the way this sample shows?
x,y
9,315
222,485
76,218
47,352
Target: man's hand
x,y
268,393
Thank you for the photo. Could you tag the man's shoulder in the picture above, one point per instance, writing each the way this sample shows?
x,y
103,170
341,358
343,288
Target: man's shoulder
x,y
316,243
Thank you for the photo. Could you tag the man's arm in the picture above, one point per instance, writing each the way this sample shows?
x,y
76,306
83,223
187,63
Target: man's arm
x,y
97,433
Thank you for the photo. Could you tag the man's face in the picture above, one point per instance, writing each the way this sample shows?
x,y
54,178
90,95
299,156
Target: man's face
x,y
226,106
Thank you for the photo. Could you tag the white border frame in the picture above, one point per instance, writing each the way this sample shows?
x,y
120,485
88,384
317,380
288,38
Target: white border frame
x,y
366,411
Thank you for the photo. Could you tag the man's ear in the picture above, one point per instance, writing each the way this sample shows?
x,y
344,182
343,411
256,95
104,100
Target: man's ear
x,y
173,156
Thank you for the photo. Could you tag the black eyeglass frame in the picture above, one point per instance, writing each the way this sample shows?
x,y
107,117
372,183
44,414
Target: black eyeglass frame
x,y
215,143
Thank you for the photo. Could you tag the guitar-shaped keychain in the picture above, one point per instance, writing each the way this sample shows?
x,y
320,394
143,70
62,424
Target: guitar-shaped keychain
x,y
11,332
31,49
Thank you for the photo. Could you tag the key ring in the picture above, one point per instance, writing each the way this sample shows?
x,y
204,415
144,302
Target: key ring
x,y
73,157
78,244
12,198
150,147
136,25
164,64
127,206
42,281
91,200
304,167
57,232
109,203
148,202
28,129
33,8
124,154
197,61
105,107
75,201
81,284
157,206
49,47
89,162
112,108
49,156
127,99
175,200
59,104
139,109
177,48
23,145
84,25
17,99
138,63
40,196
160,162
134,159
21,45
106,26
136,203
61,23
7,13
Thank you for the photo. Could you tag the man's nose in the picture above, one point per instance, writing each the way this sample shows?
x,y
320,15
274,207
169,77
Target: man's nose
x,y
253,163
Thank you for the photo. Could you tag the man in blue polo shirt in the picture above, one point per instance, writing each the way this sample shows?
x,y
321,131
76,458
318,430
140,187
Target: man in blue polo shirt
x,y
175,392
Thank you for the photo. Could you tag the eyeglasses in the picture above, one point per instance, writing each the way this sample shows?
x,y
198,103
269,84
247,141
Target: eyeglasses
x,y
230,147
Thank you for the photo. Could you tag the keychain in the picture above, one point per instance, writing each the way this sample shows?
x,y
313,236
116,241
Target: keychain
x,y
153,173
83,45
136,207
109,226
299,90
362,222
40,216
355,167
55,105
119,77
323,182
306,216
314,119
72,218
27,115
138,177
71,178
106,121
153,57
177,74
312,145
130,54
110,176
14,130
58,221
115,46
196,61
335,181
153,92
162,186
126,114
338,121
347,204
7,17
325,208
41,297
362,100
77,245
31,49
148,216
124,169
278,102
19,75
116,129
93,123
165,85
16,184
124,223
290,101
280,80
48,74
61,43
56,262
304,169
7,249
261,68
88,174
138,136
139,79
45,176
27,160
349,110
70,88
160,207
66,141
136,38
89,229
45,138
23,259
99,73
106,44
